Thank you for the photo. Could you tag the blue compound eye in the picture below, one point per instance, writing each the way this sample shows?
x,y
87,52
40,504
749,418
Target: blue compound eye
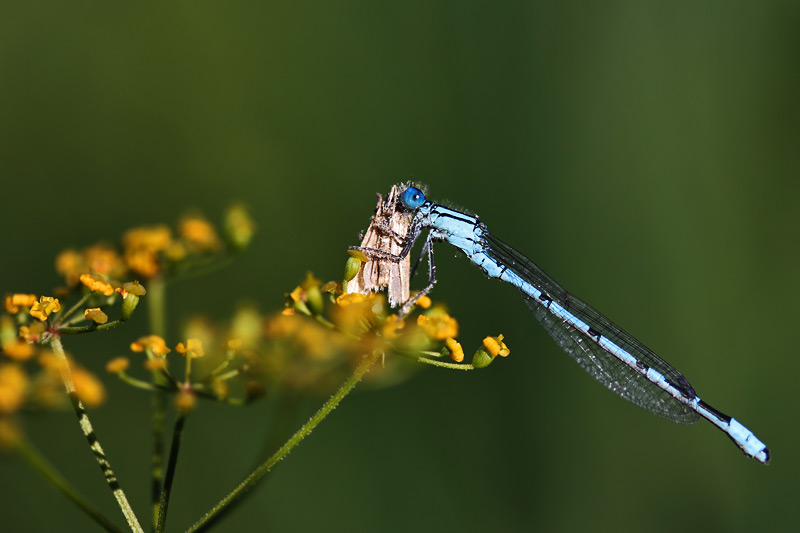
x,y
413,198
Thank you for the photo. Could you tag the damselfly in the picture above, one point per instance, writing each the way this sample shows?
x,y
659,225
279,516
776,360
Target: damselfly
x,y
610,354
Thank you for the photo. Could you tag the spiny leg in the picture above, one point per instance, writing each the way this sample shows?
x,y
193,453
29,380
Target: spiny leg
x,y
427,247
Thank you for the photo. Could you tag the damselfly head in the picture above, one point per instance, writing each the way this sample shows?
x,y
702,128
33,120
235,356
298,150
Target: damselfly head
x,y
413,198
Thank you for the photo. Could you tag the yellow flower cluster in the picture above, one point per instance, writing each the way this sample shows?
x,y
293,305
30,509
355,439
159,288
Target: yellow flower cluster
x,y
143,247
199,234
100,259
439,326
45,389
13,386
148,250
31,374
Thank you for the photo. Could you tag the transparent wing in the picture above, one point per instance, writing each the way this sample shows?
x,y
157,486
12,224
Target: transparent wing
x,y
601,364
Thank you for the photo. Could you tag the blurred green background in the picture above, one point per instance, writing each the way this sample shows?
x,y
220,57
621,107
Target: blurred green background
x,y
644,153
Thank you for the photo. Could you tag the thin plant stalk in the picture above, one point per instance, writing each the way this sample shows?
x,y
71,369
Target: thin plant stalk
x,y
94,442
156,300
170,475
250,481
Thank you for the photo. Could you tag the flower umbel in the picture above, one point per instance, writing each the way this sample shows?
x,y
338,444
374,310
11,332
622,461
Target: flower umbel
x,y
323,343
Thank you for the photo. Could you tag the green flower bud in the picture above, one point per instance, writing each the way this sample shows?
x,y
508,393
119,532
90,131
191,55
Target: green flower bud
x,y
129,304
482,359
351,268
314,297
239,227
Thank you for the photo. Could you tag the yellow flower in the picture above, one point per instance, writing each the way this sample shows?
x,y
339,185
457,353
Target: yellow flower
x,y
104,260
233,345
97,284
143,261
156,238
199,234
45,307
281,325
332,287
357,313
99,259
16,302
438,327
18,350
47,391
246,326
392,325
297,294
142,246
495,346
88,388
71,264
193,348
308,292
314,341
154,343
134,287
349,299
424,302
177,251
14,347
185,400
117,365
155,365
96,315
32,333
51,362
310,282
456,351
13,385
358,254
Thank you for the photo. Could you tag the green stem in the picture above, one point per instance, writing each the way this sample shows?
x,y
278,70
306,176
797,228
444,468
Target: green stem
x,y
74,330
157,464
442,364
250,481
170,475
94,442
138,383
64,316
40,464
156,306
